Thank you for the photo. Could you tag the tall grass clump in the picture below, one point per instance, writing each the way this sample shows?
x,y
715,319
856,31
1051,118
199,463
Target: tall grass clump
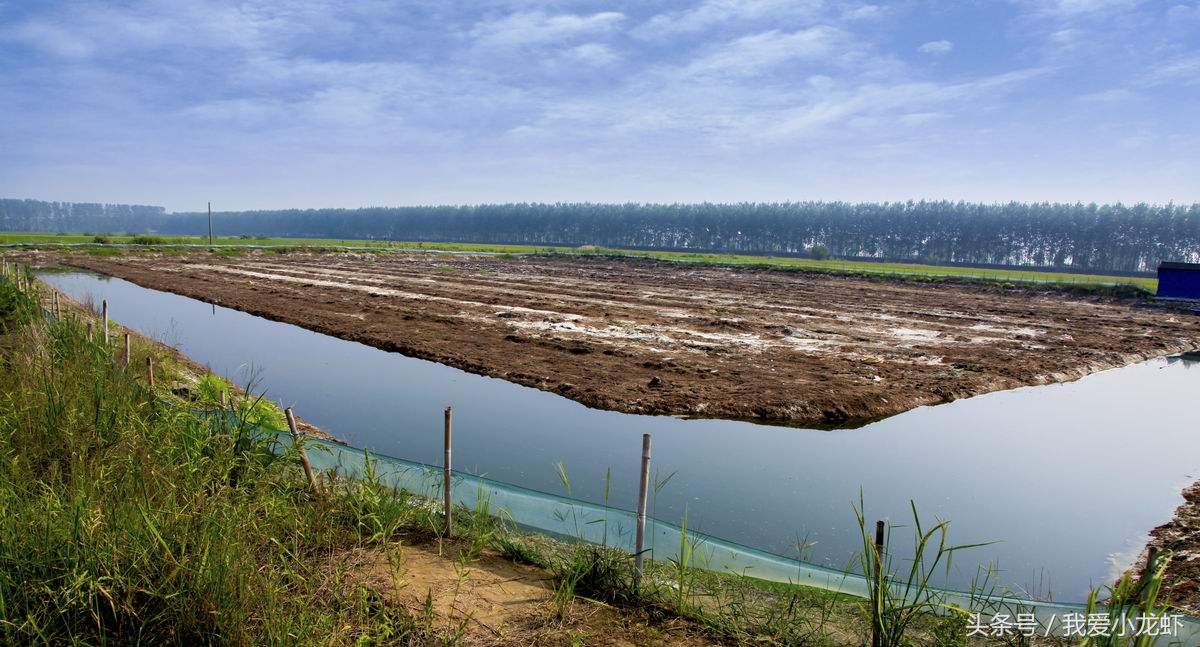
x,y
902,590
1132,602
128,517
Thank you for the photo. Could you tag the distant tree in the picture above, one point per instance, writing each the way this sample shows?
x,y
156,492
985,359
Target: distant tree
x,y
1105,238
819,252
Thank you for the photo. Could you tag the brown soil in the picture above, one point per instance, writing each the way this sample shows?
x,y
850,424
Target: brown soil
x,y
646,337
493,601
1181,536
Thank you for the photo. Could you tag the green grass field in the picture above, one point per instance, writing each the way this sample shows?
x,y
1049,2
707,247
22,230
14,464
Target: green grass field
x,y
1012,275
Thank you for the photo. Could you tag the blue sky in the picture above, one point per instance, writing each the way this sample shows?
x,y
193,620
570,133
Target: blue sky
x,y
296,103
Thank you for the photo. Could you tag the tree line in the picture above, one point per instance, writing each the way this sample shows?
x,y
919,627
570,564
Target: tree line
x,y
1085,237
74,217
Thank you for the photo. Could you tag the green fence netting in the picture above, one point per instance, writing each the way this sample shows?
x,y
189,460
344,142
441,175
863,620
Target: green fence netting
x,y
578,520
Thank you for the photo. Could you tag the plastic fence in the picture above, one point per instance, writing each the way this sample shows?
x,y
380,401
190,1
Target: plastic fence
x,y
577,520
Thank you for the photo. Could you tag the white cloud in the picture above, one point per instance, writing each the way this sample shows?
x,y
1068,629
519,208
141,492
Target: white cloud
x,y
290,84
920,118
1079,7
712,13
596,54
1182,71
758,53
915,100
111,30
1115,95
538,28
936,47
865,12
51,39
242,112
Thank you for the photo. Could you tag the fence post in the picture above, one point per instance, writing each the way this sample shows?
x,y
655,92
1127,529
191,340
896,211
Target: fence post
x,y
876,622
57,312
150,371
104,311
126,350
89,330
298,443
447,474
643,494
1148,572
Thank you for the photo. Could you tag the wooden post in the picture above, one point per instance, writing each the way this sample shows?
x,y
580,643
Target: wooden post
x,y
1148,573
879,527
126,350
150,371
210,236
57,312
643,494
89,328
224,402
447,475
298,442
104,309
876,639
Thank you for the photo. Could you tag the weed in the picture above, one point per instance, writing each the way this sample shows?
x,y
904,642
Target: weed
x,y
147,240
1130,603
897,599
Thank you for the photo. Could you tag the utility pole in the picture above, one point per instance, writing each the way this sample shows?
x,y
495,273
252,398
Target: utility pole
x,y
210,223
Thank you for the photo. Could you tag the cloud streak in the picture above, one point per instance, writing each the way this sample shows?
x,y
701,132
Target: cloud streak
x,y
310,102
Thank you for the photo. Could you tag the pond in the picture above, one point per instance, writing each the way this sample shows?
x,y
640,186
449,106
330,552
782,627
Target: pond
x,y
1065,479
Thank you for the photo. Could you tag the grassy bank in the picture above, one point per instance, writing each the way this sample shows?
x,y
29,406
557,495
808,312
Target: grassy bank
x,y
132,514
127,517
911,270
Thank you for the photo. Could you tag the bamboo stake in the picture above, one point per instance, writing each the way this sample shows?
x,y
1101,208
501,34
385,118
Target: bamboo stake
x,y
126,350
89,328
150,371
298,442
876,638
104,308
643,494
447,475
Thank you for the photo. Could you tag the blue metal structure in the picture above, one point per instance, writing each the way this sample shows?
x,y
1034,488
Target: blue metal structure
x,y
1179,281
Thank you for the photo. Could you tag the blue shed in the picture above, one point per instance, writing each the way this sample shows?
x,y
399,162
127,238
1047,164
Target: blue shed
x,y
1179,281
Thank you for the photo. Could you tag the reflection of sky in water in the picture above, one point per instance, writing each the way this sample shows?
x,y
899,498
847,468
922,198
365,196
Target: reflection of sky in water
x,y
1065,478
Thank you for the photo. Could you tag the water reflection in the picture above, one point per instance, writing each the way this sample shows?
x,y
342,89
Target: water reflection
x,y
1066,478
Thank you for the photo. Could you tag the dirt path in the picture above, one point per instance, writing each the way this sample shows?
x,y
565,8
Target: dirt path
x,y
493,601
646,337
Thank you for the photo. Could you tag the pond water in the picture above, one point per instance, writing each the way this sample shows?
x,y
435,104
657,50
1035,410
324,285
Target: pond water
x,y
1065,479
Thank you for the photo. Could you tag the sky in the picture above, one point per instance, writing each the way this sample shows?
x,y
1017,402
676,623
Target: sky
x,y
311,103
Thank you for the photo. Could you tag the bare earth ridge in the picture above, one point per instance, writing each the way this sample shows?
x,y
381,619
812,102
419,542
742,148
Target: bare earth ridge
x,y
646,337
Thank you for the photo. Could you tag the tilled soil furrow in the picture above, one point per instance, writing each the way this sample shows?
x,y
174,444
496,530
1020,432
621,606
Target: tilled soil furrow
x,y
646,337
